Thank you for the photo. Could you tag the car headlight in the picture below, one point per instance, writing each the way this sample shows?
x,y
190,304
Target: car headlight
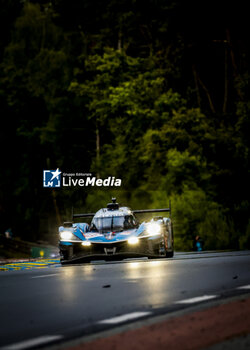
x,y
133,240
153,229
66,235
86,243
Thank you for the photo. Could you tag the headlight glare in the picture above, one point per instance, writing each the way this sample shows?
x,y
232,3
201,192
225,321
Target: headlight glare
x,y
153,229
66,235
133,240
86,243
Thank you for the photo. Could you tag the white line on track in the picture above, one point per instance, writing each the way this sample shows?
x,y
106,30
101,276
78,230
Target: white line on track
x,y
26,344
196,299
41,276
244,287
125,317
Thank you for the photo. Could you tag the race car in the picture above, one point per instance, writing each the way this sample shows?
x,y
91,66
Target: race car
x,y
115,233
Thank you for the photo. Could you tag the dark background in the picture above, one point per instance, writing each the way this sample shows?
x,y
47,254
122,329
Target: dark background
x,y
153,92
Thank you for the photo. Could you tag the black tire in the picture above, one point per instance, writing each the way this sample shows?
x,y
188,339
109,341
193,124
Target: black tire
x,y
169,254
64,255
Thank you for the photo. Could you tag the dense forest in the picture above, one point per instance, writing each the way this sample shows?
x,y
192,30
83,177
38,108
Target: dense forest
x,y
155,92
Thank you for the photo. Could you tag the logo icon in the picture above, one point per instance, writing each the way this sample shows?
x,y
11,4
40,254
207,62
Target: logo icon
x,y
52,178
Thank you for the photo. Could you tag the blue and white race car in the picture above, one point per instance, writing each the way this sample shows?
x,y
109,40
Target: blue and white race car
x,y
115,233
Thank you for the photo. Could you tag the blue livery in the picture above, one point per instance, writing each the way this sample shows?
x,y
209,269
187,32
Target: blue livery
x,y
115,233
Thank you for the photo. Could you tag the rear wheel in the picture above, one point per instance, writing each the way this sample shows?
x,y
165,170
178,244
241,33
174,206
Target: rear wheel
x,y
161,251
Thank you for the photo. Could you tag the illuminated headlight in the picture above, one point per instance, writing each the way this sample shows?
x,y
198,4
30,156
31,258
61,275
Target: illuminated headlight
x,y
153,229
133,240
86,243
66,235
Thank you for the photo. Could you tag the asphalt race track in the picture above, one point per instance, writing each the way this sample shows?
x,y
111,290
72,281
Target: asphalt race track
x,y
40,307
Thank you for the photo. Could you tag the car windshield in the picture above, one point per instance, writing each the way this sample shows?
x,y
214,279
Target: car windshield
x,y
113,223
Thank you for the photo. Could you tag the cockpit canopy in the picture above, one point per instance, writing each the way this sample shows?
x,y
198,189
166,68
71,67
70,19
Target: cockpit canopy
x,y
113,223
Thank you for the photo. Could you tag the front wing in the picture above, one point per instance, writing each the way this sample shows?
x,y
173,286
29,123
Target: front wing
x,y
75,252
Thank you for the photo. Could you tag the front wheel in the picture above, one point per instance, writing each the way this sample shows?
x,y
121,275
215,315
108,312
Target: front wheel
x,y
170,254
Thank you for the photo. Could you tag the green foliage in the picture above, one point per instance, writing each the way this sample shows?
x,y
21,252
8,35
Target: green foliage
x,y
101,86
245,239
189,210
215,229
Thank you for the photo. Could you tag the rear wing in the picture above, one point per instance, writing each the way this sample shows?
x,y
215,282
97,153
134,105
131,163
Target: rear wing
x,y
88,215
142,211
139,211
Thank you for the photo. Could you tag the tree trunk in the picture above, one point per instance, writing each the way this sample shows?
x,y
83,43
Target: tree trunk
x,y
207,92
235,68
196,86
225,84
97,149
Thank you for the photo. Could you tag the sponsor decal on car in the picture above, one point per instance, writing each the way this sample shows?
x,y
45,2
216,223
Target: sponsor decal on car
x,y
92,235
